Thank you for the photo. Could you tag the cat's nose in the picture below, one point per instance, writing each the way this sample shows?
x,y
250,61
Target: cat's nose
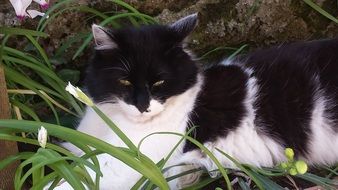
x,y
142,100
143,108
142,103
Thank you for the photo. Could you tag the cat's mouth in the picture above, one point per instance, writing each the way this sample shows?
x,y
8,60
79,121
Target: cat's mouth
x,y
132,113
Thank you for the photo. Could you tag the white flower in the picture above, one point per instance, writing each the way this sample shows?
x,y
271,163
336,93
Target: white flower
x,y
35,13
43,4
78,94
20,7
42,137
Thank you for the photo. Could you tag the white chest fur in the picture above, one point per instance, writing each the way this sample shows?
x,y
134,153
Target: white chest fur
x,y
173,118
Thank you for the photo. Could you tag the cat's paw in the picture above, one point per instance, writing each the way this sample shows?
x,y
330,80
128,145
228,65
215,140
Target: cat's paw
x,y
189,179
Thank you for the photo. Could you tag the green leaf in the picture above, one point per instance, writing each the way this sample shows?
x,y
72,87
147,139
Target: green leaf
x,y
24,81
144,166
50,161
239,50
7,161
9,137
216,49
205,150
240,166
25,109
73,76
242,184
321,11
20,31
44,181
47,15
116,130
266,182
326,183
65,170
162,162
40,50
201,184
68,43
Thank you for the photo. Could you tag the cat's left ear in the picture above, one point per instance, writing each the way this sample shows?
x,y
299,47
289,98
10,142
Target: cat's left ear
x,y
185,26
103,38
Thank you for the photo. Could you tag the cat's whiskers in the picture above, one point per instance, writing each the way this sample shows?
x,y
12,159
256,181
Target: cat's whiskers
x,y
108,101
190,125
162,72
125,64
116,68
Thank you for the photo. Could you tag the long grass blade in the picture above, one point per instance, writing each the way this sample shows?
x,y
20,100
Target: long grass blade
x,y
25,109
320,10
247,172
69,135
50,10
20,31
40,50
205,150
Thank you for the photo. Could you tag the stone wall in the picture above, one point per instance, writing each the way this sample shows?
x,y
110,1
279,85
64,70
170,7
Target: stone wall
x,y
257,23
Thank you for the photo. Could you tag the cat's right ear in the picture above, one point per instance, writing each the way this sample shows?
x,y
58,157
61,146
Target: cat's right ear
x,y
103,39
185,26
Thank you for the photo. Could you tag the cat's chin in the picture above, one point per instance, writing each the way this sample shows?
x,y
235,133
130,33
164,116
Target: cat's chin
x,y
133,114
141,118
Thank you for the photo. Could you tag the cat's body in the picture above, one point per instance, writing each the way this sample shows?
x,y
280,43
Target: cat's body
x,y
285,96
251,107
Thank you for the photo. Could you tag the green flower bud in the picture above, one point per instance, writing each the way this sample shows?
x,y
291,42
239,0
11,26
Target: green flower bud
x,y
284,165
289,153
293,171
301,167
78,94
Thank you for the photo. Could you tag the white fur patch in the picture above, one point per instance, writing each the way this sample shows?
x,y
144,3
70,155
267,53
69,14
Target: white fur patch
x,y
132,113
172,116
246,144
323,141
226,62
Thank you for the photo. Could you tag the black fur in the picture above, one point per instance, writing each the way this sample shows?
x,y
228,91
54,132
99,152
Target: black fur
x,y
288,76
220,106
143,57
289,79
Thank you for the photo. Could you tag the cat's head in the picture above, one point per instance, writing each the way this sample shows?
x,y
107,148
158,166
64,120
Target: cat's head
x,y
141,68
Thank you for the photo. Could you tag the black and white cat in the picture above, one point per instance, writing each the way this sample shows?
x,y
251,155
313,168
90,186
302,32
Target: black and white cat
x,y
251,107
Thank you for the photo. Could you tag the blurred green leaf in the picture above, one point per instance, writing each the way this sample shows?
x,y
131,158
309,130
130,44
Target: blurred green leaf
x,y
21,31
321,11
73,76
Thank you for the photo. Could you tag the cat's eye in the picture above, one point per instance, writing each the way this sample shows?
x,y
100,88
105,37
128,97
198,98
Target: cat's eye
x,y
125,82
158,83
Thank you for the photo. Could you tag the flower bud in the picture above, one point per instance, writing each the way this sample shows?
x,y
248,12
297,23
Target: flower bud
x,y
289,153
301,167
78,94
42,137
